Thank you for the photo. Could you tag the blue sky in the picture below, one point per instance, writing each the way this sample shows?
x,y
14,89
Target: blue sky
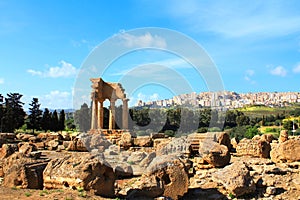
x,y
255,45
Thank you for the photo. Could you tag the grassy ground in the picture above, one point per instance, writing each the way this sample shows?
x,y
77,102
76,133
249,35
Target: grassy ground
x,y
260,111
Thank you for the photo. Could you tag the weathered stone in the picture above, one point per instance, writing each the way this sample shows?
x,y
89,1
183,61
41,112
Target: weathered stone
x,y
157,135
136,157
60,148
224,139
23,136
96,141
126,140
7,150
215,154
123,170
40,145
6,138
66,137
52,144
80,170
288,151
171,174
254,148
270,190
75,145
177,146
143,141
284,136
23,171
66,144
296,181
267,137
88,142
160,143
146,187
26,148
235,178
50,136
256,137
148,159
234,142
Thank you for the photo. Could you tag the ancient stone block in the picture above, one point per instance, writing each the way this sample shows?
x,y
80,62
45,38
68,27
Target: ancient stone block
x,y
143,141
80,170
254,148
215,154
288,151
236,179
171,174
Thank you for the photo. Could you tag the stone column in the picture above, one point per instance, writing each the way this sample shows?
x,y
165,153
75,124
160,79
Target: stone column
x,y
94,111
100,114
112,114
125,114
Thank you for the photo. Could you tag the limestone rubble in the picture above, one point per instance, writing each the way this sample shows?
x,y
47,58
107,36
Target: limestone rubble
x,y
200,166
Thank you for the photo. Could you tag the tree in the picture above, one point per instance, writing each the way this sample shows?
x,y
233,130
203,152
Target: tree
x,y
35,116
230,119
46,120
54,122
242,120
13,112
290,125
251,132
61,120
82,118
204,118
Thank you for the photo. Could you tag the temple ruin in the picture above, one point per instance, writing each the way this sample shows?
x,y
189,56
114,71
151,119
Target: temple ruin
x,y
101,91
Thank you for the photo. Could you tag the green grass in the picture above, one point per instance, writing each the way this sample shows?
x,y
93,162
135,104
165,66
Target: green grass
x,y
260,111
27,194
44,192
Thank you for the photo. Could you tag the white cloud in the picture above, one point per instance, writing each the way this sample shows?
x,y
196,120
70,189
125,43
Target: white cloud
x,y
1,80
279,71
297,69
248,76
64,70
34,72
56,99
146,40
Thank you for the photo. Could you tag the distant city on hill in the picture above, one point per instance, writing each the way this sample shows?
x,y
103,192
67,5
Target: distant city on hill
x,y
227,99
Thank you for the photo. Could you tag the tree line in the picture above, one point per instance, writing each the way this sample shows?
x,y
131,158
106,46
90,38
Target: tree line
x,y
13,116
182,120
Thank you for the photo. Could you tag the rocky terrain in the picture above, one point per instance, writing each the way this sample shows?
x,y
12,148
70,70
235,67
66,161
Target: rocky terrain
x,y
198,166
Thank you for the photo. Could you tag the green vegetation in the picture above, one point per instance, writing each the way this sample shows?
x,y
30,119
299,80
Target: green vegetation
x,y
14,119
231,196
12,115
130,162
173,122
27,194
44,192
35,116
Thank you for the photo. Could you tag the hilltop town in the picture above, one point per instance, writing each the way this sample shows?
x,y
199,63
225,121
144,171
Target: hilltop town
x,y
226,99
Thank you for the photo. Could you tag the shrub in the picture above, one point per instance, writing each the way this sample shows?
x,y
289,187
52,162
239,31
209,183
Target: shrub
x,y
170,133
202,130
214,129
